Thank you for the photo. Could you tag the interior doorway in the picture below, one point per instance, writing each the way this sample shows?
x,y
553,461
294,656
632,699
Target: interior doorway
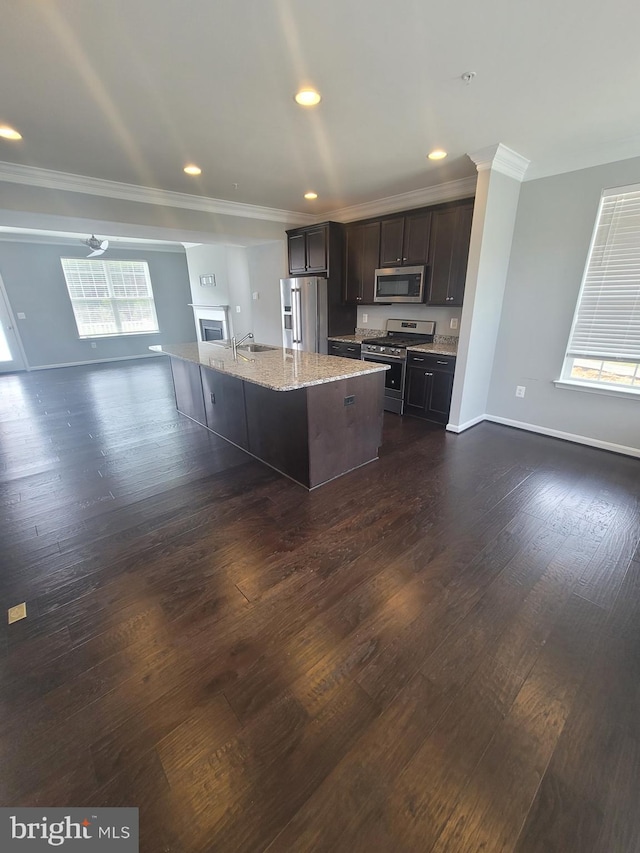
x,y
11,354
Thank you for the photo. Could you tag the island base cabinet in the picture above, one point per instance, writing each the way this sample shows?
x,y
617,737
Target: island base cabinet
x,y
277,429
224,406
345,425
312,434
315,434
187,385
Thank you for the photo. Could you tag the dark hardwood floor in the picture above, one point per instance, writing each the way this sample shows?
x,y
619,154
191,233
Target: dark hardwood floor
x,y
437,652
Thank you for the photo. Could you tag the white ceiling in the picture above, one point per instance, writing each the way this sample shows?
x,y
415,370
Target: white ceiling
x,y
131,90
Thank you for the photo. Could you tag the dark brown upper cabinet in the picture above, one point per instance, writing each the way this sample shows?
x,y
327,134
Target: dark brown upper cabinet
x,y
404,240
448,254
362,258
315,249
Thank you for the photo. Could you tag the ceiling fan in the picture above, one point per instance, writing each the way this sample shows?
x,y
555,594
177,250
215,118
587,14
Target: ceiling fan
x,y
97,246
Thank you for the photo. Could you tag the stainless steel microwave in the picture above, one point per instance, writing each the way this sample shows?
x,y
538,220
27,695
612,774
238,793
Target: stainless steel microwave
x,y
400,284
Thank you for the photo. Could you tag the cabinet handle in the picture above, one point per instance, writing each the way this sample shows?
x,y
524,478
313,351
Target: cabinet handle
x,y
351,349
417,359
213,398
428,374
404,259
398,259
442,362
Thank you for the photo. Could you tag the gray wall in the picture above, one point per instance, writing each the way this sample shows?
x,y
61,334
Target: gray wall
x,y
553,230
35,285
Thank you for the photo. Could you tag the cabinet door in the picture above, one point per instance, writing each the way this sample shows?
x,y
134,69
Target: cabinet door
x,y
418,389
317,249
441,255
370,260
188,388
439,396
354,253
297,253
224,406
416,239
391,236
460,254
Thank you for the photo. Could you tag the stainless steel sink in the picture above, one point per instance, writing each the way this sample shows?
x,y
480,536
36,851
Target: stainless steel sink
x,y
256,348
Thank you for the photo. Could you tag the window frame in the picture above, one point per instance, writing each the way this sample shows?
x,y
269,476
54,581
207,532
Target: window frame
x,y
566,380
112,298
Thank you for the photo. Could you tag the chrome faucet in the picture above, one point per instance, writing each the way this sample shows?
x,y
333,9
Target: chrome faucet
x,y
235,343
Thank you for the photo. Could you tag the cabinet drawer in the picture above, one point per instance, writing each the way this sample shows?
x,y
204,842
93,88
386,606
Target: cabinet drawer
x,y
344,349
432,361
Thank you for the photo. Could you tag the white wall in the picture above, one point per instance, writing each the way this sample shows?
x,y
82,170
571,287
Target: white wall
x,y
494,216
377,316
240,272
267,265
553,229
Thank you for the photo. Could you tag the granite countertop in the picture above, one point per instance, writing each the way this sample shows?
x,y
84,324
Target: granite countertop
x,y
435,348
446,345
278,369
360,335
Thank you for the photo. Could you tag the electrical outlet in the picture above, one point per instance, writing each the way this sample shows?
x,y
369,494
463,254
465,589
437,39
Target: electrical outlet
x,y
453,323
520,389
256,295
237,309
365,318
21,316
93,344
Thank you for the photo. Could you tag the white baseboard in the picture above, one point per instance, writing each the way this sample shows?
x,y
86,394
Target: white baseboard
x,y
566,436
466,425
94,361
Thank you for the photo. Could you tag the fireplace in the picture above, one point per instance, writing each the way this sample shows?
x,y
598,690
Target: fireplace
x,y
211,330
212,322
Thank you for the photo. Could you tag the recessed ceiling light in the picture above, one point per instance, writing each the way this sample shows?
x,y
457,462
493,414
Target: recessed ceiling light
x,y
308,98
193,170
438,154
311,195
7,132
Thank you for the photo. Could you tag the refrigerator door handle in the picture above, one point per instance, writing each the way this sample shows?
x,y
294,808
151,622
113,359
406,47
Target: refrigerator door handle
x,y
296,305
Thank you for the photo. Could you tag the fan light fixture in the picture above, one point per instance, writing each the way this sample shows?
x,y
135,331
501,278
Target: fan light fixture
x,y
97,246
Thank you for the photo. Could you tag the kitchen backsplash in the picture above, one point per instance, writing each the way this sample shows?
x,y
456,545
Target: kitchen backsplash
x,y
377,316
367,331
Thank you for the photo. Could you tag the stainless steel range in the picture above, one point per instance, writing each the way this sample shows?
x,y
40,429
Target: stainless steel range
x,y
392,350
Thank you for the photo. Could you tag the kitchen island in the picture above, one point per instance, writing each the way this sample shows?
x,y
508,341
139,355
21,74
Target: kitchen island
x,y
312,417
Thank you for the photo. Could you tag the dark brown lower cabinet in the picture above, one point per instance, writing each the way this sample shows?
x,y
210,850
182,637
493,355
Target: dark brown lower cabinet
x,y
224,406
188,388
429,386
344,349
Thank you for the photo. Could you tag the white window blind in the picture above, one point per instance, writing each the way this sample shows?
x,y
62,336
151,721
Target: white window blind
x,y
607,319
110,297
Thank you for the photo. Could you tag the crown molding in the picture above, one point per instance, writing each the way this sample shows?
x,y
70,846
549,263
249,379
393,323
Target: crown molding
x,y
449,191
34,176
501,159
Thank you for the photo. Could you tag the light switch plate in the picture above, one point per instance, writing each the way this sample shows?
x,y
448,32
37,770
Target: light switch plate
x,y
365,318
237,309
21,315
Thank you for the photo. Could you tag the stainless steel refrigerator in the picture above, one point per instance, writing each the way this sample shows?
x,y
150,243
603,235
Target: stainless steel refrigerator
x,y
305,313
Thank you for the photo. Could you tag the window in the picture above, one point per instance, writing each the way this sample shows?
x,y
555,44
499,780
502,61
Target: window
x,y
604,344
110,297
